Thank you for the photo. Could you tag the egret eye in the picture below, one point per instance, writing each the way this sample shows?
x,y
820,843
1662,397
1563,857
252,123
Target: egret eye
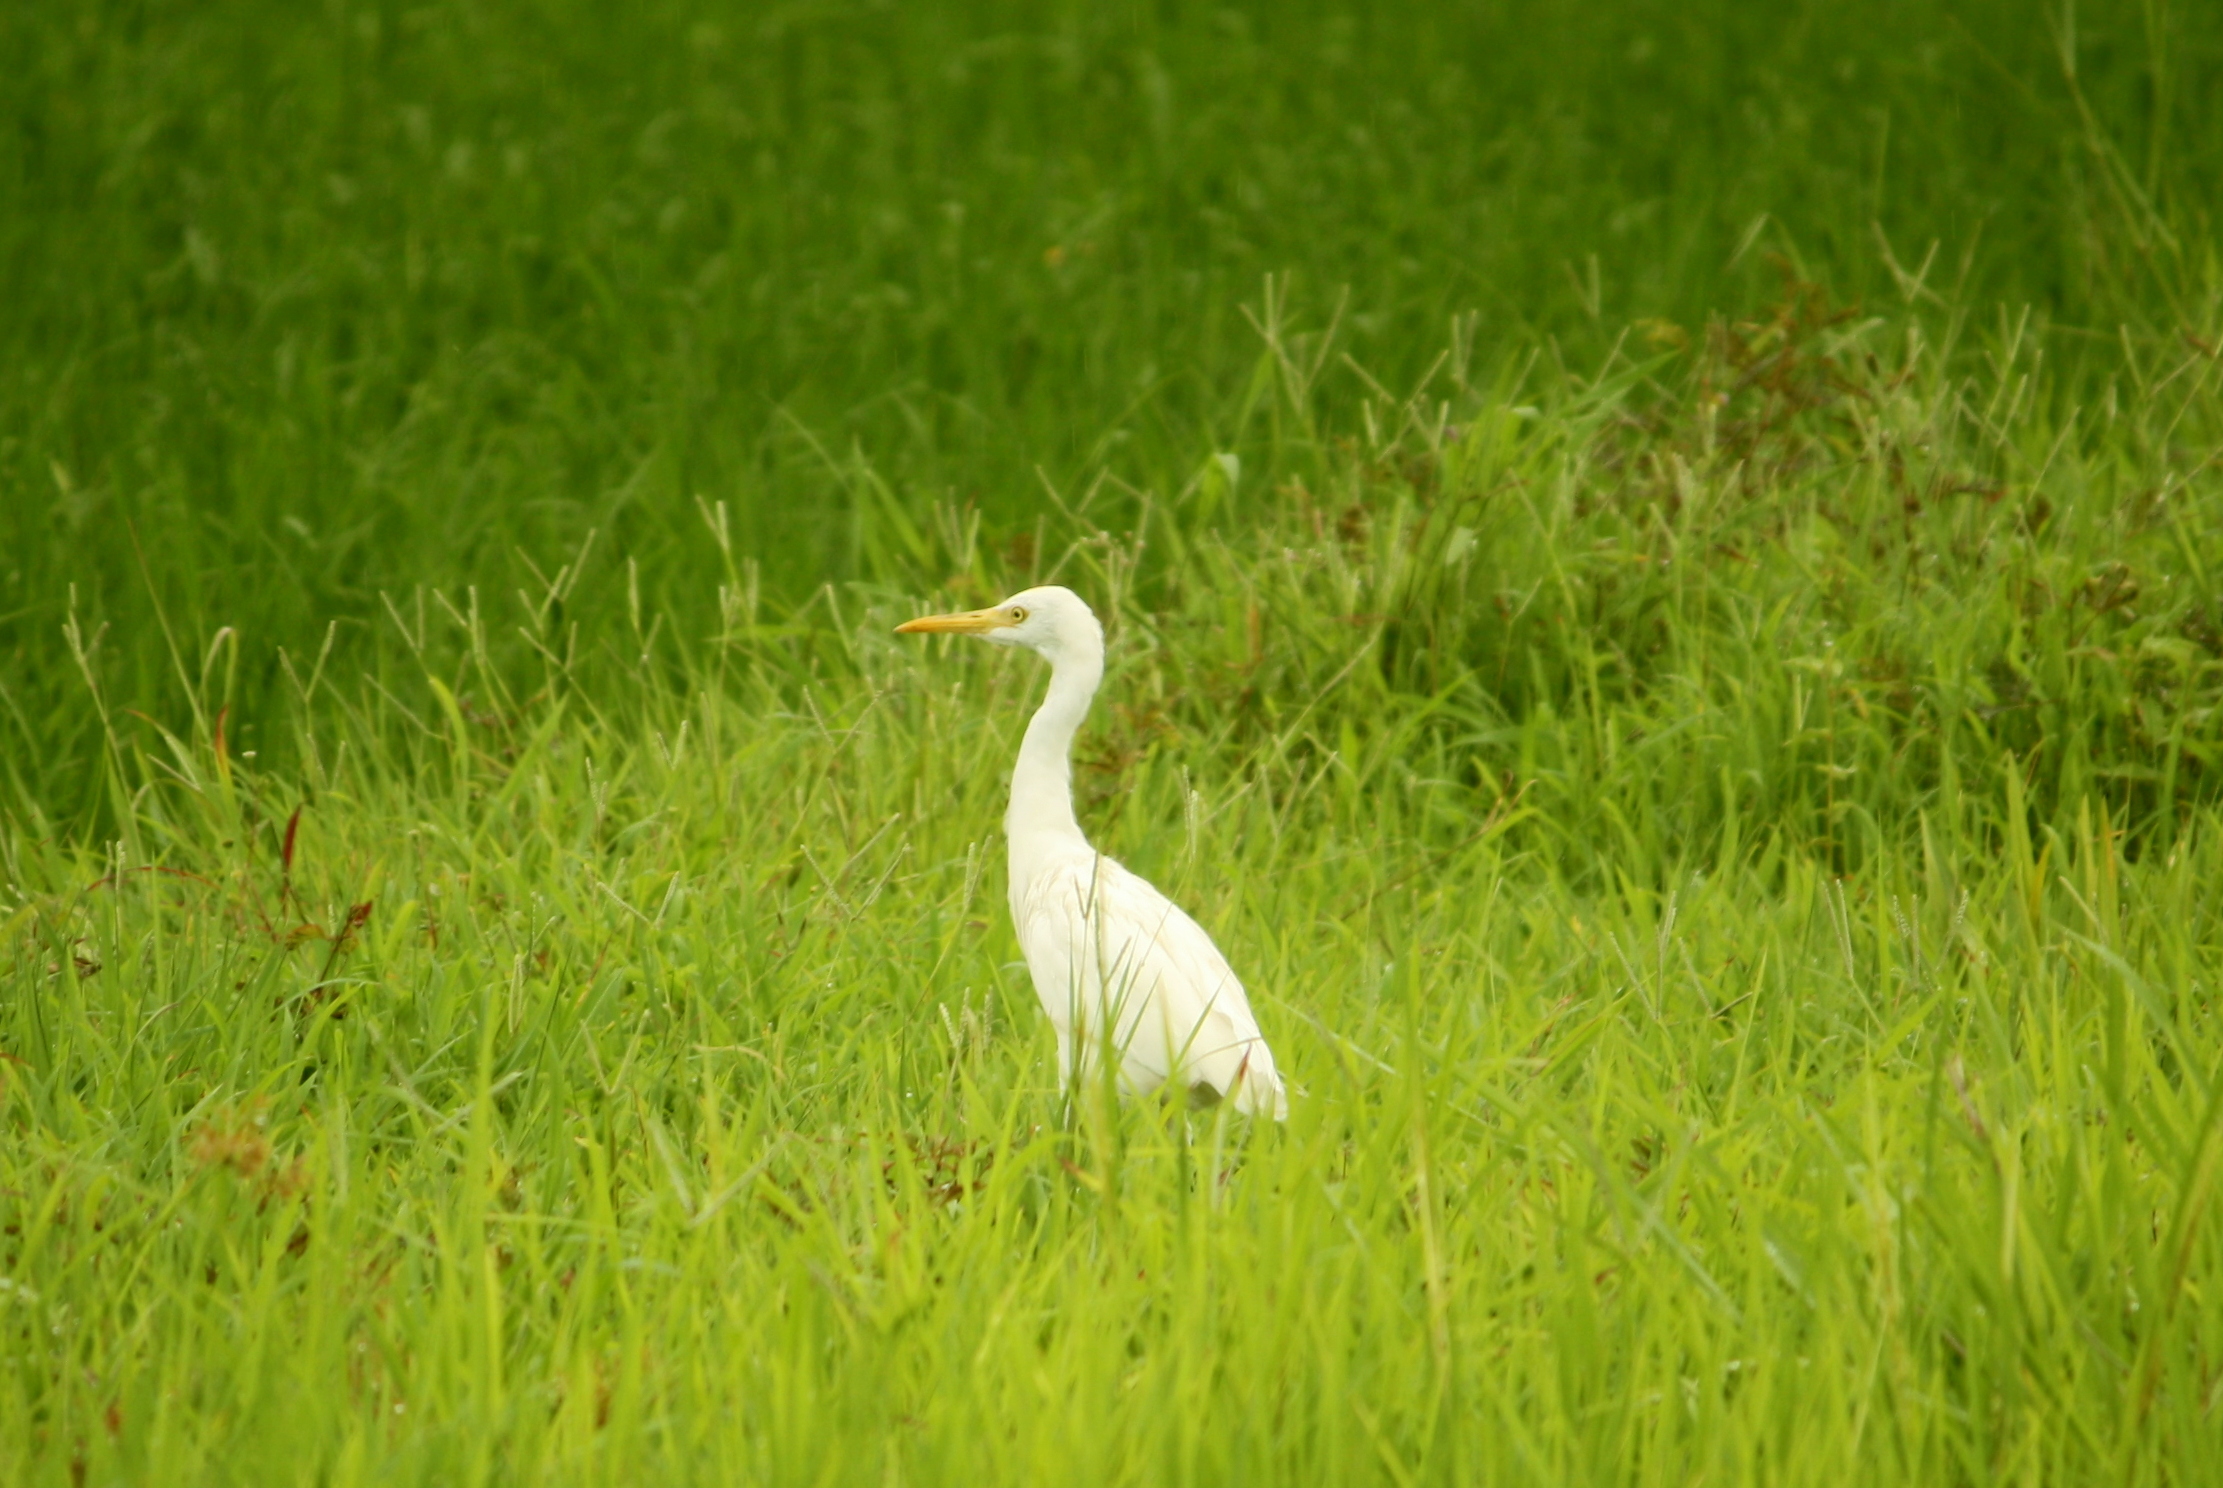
x,y
1018,615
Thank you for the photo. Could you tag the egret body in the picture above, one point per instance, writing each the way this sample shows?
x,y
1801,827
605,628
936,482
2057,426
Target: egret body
x,y
1120,970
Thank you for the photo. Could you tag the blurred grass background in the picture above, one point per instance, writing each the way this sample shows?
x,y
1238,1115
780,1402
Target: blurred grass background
x,y
308,303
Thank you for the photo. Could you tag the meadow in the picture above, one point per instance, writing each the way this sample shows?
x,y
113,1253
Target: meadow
x,y
1664,571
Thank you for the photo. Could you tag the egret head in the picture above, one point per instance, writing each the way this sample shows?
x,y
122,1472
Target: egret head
x,y
1051,620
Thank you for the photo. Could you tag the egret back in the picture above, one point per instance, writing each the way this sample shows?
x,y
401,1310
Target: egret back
x,y
1121,970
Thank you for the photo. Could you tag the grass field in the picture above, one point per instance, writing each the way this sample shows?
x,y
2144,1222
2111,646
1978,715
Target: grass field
x,y
1665,583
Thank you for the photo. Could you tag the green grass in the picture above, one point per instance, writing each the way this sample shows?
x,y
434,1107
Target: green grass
x,y
322,302
1749,979
503,972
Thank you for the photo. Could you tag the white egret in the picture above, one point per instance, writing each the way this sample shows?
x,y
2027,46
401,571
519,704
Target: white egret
x,y
1118,967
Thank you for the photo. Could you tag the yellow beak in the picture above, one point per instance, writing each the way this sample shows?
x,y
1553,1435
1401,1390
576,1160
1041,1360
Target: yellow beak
x,y
971,622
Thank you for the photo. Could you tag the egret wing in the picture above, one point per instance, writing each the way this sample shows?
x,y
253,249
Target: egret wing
x,y
1116,963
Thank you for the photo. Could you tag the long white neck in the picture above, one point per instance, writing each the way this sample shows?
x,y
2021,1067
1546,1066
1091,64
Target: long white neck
x,y
1041,814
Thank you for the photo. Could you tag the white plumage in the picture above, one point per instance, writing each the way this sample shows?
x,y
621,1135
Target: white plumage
x,y
1120,970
